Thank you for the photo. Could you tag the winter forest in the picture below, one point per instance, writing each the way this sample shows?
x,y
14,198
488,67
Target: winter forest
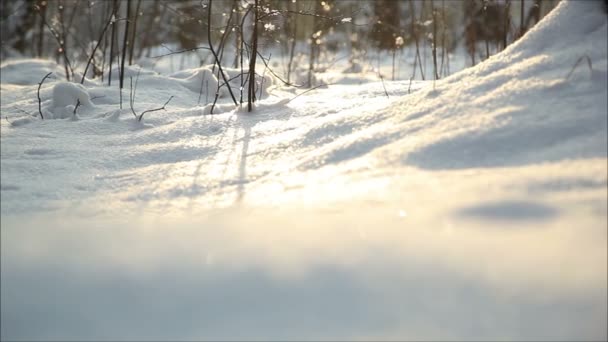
x,y
304,170
417,38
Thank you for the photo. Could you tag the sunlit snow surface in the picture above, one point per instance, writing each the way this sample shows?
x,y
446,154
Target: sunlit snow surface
x,y
472,209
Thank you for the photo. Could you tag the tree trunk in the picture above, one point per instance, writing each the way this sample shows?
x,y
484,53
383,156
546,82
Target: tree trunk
x,y
252,60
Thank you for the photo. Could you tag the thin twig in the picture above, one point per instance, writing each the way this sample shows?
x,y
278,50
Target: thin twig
x,y
181,51
262,78
215,55
383,86
274,74
578,61
131,100
58,40
310,89
103,32
76,108
38,94
409,87
154,110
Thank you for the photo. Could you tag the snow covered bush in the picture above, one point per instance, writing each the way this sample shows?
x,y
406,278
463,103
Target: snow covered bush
x,y
66,97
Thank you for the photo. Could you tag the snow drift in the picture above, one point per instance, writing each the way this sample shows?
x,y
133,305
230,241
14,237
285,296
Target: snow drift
x,y
516,108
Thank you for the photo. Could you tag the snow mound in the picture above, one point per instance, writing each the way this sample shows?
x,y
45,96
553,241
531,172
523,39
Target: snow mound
x,y
28,71
518,107
66,93
131,71
197,78
66,96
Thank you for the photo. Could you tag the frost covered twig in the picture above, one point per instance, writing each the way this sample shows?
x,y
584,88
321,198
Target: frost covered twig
x,y
38,94
578,61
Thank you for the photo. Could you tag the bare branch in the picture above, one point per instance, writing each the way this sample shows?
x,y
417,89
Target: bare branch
x,y
182,51
76,108
38,94
154,110
131,98
58,40
383,86
215,55
103,32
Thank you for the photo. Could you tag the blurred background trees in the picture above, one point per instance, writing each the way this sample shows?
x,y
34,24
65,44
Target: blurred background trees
x,y
297,38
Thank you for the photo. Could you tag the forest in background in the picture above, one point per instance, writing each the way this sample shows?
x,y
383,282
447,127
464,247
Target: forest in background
x,y
312,33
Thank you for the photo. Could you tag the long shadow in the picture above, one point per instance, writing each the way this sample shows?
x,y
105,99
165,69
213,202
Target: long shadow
x,y
247,124
509,211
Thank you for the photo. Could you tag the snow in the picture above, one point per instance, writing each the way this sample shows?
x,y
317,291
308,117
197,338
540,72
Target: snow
x,y
473,207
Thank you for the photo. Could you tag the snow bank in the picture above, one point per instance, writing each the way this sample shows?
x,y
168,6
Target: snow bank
x,y
28,71
516,108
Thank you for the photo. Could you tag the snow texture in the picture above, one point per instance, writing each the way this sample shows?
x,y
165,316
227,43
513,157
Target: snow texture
x,y
470,208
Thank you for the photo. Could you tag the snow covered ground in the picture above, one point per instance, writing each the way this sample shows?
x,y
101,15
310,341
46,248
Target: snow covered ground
x,y
472,208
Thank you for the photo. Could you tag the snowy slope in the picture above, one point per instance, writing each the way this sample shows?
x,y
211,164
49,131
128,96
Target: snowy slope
x,y
473,208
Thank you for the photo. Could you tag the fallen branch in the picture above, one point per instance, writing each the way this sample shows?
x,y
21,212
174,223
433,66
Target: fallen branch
x,y
38,94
